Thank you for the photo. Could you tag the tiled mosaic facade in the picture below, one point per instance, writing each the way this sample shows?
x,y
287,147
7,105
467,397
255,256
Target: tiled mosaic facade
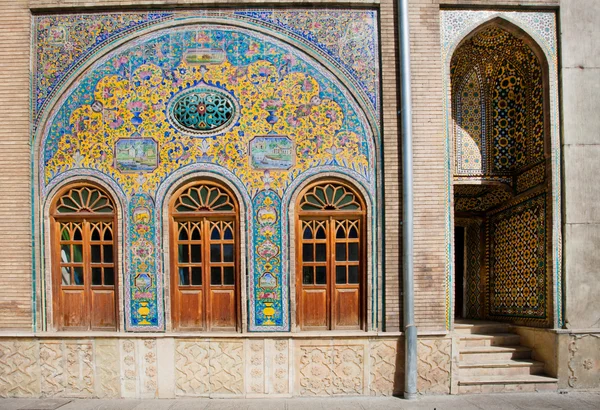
x,y
497,134
122,122
517,263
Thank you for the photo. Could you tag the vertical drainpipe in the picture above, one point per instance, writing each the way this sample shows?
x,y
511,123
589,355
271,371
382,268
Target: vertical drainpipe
x,y
410,330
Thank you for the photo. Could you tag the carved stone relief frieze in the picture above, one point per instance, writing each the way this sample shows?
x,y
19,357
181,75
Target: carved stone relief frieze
x,y
584,364
107,368
191,368
52,363
79,368
129,369
255,367
278,355
149,371
19,369
330,369
383,369
227,367
434,358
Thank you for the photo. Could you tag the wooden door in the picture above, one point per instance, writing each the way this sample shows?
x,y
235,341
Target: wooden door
x,y
204,268
84,260
330,267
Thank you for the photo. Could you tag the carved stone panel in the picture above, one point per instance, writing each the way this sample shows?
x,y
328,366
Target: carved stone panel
x,y
584,361
277,352
107,368
19,369
80,368
255,367
52,364
226,367
434,357
129,373
348,369
148,368
314,370
383,369
191,368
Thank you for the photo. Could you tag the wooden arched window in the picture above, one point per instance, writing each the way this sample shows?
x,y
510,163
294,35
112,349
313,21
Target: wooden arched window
x,y
330,271
84,259
204,258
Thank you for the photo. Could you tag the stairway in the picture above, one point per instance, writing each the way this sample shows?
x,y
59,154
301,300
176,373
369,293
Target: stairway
x,y
492,360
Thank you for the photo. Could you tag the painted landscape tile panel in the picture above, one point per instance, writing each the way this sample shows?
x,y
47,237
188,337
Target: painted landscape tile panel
x,y
272,152
136,155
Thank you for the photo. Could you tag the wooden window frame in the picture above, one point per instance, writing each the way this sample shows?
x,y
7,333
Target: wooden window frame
x,y
331,216
86,219
204,217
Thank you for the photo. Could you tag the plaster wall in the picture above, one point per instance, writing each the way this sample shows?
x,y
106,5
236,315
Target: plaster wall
x,y
581,102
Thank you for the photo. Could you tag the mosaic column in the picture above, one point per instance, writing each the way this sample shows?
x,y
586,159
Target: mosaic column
x,y
269,289
143,301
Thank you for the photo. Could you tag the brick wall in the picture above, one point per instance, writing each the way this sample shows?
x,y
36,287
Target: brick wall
x,y
15,174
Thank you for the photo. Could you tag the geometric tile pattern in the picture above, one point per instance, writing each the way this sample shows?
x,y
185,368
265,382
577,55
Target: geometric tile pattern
x,y
531,178
517,261
473,271
486,197
511,101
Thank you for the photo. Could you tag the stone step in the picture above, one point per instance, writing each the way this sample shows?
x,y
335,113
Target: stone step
x,y
497,339
501,368
493,353
501,384
480,327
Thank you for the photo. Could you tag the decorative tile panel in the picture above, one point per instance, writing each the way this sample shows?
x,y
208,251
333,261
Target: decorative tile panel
x,y
518,269
19,368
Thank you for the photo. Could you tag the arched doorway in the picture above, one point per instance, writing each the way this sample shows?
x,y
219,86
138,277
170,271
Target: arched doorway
x,y
501,177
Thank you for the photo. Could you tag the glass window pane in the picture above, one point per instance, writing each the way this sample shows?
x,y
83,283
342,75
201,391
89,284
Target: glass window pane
x,y
108,253
183,233
353,233
307,233
215,253
215,276
215,234
66,276
340,232
321,275
228,234
184,278
95,234
353,274
307,275
109,276
77,253
340,252
96,276
197,276
96,254
78,275
184,254
340,274
307,252
107,233
65,253
353,251
321,252
77,234
196,253
227,253
64,232
196,233
228,278
320,233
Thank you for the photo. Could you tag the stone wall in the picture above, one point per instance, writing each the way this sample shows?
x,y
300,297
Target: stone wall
x,y
166,367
